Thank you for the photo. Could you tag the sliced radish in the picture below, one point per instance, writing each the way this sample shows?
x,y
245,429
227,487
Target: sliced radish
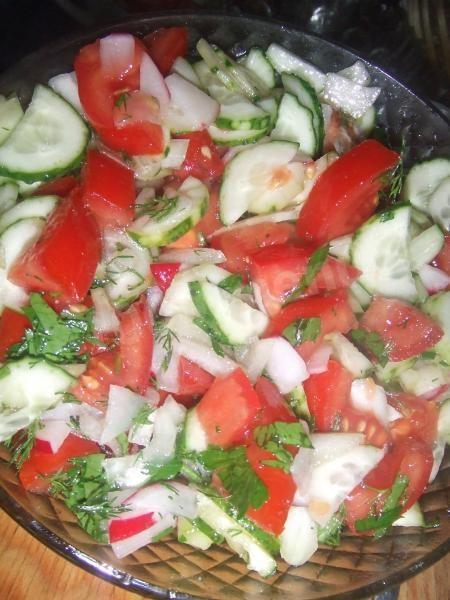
x,y
174,498
189,108
318,362
129,545
152,82
123,406
129,524
52,435
117,54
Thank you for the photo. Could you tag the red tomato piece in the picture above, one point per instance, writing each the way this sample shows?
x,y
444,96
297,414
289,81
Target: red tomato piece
x,y
202,159
163,273
345,195
58,187
420,418
108,190
405,329
271,516
442,260
278,270
36,470
92,386
327,395
360,503
240,244
359,422
134,138
210,221
136,345
274,407
12,329
122,528
229,409
64,258
165,45
333,309
193,380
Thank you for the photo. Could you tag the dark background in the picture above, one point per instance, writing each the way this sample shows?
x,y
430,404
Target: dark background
x,y
380,31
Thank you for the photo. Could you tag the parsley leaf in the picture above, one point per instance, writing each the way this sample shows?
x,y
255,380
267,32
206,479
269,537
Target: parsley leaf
x,y
302,330
391,511
231,283
21,446
58,338
165,336
275,436
315,264
240,480
370,340
84,489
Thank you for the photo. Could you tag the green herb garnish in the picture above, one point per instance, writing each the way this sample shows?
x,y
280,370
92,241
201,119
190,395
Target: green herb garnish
x,y
231,283
21,446
371,341
165,336
303,330
330,533
275,436
315,264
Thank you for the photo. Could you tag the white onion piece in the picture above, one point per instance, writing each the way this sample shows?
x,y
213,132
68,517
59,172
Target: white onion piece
x,y
167,378
145,195
438,456
433,278
116,53
285,367
123,406
275,217
255,358
185,328
193,256
231,152
152,397
155,296
196,107
318,362
65,410
129,545
257,295
152,82
368,397
91,426
206,358
175,498
105,319
298,540
167,420
66,85
393,414
301,469
54,433
176,154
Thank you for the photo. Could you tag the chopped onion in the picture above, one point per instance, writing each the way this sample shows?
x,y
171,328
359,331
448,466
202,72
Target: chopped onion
x,y
275,217
318,362
105,318
176,154
257,295
129,545
117,54
167,420
438,456
255,358
152,397
301,469
393,414
66,85
193,256
91,426
176,499
54,433
285,367
167,376
206,358
65,410
195,108
152,82
434,279
123,406
368,397
155,296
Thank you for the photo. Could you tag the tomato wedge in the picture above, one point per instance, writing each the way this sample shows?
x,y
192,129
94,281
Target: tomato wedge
x,y
36,470
420,418
64,258
165,45
274,407
202,159
360,422
136,345
62,186
12,329
405,330
108,190
229,409
442,260
345,195
163,273
193,380
271,516
92,386
327,395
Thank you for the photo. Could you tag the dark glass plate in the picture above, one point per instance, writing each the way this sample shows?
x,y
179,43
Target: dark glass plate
x,y
358,567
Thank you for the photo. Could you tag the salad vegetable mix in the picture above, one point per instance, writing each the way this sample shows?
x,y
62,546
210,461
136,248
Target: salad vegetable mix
x,y
225,304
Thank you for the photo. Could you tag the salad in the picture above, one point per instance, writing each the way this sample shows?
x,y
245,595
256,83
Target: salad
x,y
225,303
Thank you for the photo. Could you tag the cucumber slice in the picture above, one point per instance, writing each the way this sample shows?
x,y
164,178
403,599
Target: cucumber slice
x,y
439,204
186,70
248,179
438,307
307,97
126,268
29,387
366,123
38,206
242,116
392,370
295,123
246,543
422,179
413,517
444,422
380,251
194,435
270,106
8,196
424,377
298,540
225,137
287,62
17,238
175,216
238,322
10,114
425,246
50,139
25,189
349,356
66,85
189,533
256,61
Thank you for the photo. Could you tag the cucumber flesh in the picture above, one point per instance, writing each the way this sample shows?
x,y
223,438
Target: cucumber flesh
x,y
380,251
36,207
242,115
17,238
50,139
422,179
66,85
413,517
287,62
226,137
189,533
439,204
444,421
256,61
10,115
424,247
438,307
295,123
366,123
424,377
298,540
8,196
349,356
186,70
194,434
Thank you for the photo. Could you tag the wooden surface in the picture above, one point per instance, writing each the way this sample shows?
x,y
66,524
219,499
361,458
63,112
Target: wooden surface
x,y
30,571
